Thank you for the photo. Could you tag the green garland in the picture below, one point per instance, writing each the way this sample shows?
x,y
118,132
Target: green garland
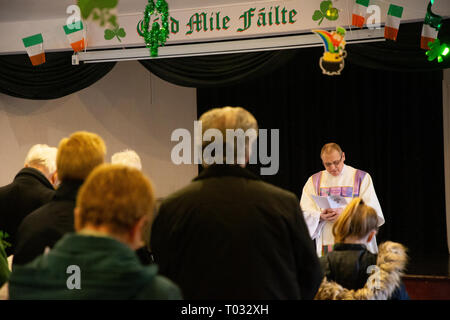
x,y
158,34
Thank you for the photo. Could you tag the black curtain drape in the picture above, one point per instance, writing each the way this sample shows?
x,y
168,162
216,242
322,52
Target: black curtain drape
x,y
388,123
56,78
217,70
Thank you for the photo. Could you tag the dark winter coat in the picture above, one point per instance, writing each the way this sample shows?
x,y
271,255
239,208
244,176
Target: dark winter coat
x,y
353,273
29,191
229,235
46,225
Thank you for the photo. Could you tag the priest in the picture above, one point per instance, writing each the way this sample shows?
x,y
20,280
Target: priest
x,y
340,180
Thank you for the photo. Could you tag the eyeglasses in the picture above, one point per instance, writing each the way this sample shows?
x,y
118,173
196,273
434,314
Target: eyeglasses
x,y
335,163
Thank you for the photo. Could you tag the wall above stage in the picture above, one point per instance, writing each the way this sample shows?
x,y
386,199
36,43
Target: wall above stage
x,y
129,108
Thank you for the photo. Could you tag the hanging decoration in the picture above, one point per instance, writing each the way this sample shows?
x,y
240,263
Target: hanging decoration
x,y
159,33
100,11
116,31
393,19
76,34
431,27
103,12
359,12
332,61
326,11
35,48
437,50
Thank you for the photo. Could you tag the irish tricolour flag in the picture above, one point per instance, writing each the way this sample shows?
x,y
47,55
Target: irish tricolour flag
x,y
429,34
359,12
35,48
393,22
75,34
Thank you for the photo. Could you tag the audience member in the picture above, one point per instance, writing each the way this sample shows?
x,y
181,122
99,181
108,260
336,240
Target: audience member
x,y
353,272
128,158
77,156
229,235
31,188
113,205
131,158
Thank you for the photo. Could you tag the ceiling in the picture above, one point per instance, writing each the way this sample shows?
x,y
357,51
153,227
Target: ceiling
x,y
25,10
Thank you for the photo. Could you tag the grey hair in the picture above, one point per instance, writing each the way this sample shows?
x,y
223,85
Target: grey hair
x,y
43,156
127,157
230,118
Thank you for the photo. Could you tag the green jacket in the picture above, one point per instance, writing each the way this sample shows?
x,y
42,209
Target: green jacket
x,y
108,269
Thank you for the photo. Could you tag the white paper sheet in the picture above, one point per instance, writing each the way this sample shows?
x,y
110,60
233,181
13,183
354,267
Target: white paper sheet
x,y
330,202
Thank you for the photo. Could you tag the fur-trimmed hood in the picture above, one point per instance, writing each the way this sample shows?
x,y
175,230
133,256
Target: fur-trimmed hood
x,y
391,263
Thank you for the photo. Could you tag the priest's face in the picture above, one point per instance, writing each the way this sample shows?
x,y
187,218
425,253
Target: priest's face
x,y
333,162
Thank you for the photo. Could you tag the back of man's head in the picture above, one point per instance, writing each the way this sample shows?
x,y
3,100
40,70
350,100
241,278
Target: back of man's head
x,y
231,119
128,158
79,154
43,158
116,197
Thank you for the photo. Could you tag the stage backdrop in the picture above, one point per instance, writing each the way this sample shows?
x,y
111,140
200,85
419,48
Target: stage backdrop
x,y
388,123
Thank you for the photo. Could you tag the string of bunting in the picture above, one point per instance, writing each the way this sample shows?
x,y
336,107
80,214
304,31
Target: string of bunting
x,y
430,30
154,28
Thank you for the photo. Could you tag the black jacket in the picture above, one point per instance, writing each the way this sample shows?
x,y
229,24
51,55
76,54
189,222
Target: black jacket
x,y
29,190
45,226
350,265
229,235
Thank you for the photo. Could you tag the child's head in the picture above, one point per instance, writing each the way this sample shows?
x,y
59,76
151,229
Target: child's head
x,y
358,222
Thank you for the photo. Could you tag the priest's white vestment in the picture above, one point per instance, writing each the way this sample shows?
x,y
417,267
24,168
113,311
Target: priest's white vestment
x,y
350,183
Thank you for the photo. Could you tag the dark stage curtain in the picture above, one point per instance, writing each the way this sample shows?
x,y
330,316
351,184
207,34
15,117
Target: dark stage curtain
x,y
388,123
56,78
217,70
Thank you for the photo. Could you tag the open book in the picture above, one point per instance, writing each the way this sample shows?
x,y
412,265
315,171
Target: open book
x,y
330,202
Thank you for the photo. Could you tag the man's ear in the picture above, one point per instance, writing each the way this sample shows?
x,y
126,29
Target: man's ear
x,y
54,178
371,235
343,156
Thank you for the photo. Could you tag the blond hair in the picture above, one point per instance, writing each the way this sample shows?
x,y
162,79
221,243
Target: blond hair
x,y
115,196
79,154
230,118
41,155
357,220
329,147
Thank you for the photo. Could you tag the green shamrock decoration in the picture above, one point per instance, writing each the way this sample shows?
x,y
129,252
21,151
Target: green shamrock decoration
x,y
326,11
116,32
437,50
99,9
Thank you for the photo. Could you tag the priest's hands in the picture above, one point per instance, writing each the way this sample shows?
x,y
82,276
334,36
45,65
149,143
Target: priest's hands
x,y
330,215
